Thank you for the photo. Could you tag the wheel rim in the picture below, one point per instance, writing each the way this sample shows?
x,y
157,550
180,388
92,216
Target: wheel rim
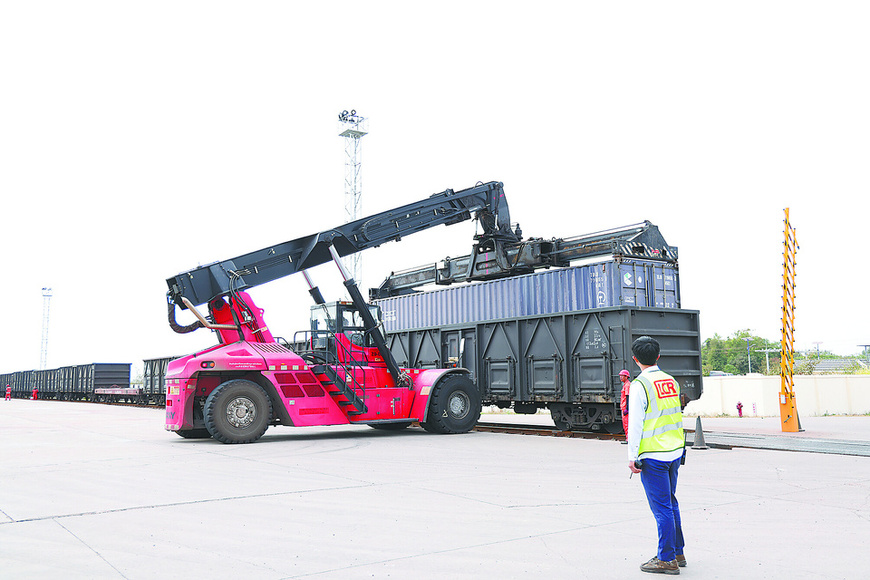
x,y
458,405
241,412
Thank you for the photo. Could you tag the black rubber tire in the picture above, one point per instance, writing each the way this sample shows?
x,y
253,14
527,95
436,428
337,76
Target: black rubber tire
x,y
238,411
391,426
454,406
194,434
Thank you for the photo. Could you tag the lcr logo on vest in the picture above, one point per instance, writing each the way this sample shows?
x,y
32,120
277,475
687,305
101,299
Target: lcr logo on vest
x,y
666,388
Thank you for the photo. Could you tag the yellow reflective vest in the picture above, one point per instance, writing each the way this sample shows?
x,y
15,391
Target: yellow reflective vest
x,y
663,420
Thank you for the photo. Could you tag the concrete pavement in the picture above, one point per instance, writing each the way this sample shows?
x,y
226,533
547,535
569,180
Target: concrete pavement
x,y
95,491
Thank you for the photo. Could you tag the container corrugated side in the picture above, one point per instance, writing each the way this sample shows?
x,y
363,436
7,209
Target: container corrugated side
x,y
606,284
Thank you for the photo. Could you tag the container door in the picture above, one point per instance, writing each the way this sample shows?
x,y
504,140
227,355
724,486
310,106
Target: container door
x,y
544,358
633,284
590,374
666,289
500,380
500,356
545,379
590,348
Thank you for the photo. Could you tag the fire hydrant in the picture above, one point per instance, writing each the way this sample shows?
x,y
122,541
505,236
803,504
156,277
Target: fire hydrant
x,y
34,394
739,409
8,392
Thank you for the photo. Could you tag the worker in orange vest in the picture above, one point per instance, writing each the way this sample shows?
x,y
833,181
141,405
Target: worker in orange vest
x,y
625,377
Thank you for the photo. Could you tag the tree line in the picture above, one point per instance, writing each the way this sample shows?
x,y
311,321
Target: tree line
x,y
742,350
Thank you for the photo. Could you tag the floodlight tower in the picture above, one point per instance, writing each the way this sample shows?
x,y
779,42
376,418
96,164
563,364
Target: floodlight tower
x,y
43,353
352,127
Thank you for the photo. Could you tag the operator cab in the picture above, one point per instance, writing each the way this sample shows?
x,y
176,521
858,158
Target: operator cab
x,y
342,318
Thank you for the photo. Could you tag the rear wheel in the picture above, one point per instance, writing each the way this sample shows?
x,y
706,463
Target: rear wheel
x,y
238,411
454,406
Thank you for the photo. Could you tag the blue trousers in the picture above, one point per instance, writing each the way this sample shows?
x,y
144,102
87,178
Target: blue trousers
x,y
659,479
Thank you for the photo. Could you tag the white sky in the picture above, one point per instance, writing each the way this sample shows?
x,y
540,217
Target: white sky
x,y
140,139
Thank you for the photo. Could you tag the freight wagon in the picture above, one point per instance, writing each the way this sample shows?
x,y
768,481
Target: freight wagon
x,y
21,383
71,383
154,380
95,382
540,341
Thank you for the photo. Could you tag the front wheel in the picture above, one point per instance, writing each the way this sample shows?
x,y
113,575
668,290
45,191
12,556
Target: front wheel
x,y
454,406
238,411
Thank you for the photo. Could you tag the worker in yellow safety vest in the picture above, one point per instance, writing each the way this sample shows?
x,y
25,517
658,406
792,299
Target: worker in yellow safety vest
x,y
656,446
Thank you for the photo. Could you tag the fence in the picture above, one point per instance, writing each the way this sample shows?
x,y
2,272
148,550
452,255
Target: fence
x,y
816,395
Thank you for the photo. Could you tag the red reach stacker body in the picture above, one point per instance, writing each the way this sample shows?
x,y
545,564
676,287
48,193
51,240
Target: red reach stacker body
x,y
234,391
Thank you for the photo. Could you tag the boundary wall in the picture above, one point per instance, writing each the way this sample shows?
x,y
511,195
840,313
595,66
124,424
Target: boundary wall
x,y
815,395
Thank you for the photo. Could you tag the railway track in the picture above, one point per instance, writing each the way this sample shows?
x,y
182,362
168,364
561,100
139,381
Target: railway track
x,y
712,439
545,431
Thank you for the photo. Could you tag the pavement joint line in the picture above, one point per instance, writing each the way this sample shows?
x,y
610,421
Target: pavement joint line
x,y
183,503
520,506
445,551
89,547
541,536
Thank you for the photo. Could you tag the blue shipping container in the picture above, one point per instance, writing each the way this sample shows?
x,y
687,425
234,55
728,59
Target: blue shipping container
x,y
636,283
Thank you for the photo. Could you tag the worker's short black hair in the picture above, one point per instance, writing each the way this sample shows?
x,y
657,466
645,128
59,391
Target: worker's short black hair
x,y
646,350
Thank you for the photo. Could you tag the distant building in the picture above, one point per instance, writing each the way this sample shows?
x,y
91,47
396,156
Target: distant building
x,y
834,366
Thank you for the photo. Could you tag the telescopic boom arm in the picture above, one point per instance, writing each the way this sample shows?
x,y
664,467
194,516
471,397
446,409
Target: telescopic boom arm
x,y
485,202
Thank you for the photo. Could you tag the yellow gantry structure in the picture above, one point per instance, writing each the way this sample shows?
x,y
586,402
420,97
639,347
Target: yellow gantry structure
x,y
787,407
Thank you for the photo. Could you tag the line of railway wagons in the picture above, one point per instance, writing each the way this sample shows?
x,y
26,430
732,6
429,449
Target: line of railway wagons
x,y
94,382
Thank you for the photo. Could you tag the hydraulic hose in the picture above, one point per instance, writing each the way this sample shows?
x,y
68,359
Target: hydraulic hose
x,y
177,327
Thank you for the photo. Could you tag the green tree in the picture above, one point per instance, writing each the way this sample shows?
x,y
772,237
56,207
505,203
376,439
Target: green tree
x,y
731,356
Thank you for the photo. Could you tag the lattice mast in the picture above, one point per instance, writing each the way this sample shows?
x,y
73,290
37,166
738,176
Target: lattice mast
x,y
43,351
353,128
787,406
